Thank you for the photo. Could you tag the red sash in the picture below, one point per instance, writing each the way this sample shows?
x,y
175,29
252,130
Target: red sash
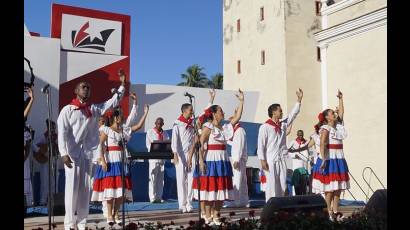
x,y
114,148
160,135
237,126
216,147
188,122
335,146
277,126
300,141
82,106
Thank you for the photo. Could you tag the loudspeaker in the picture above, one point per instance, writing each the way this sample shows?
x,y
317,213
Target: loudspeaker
x,y
59,208
377,202
304,203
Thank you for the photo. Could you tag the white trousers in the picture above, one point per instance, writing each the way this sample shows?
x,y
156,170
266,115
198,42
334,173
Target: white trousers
x,y
77,193
240,185
156,179
184,186
275,179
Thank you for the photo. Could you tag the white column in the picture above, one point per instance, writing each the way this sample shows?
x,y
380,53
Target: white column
x,y
323,73
323,58
324,16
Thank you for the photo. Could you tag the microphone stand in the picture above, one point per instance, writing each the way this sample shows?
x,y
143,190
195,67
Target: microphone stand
x,y
123,145
196,154
50,157
123,165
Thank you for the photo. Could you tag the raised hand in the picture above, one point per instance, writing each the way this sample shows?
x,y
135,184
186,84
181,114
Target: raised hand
x,y
121,74
30,92
339,94
299,93
146,109
240,95
134,97
212,93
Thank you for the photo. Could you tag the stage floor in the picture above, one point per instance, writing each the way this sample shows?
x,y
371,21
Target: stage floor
x,y
164,216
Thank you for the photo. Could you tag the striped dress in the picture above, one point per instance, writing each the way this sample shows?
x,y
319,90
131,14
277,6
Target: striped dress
x,y
216,183
335,176
107,184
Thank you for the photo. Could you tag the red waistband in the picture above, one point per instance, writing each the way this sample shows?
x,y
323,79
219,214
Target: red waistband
x,y
335,146
114,148
216,147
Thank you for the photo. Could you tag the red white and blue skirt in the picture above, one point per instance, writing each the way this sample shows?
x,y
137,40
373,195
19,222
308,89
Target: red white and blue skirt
x,y
108,184
335,175
216,183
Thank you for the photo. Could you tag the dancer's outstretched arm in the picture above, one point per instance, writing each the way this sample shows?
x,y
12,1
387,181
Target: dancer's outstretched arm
x,y
238,113
142,120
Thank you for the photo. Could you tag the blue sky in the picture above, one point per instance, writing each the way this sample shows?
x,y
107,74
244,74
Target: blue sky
x,y
166,35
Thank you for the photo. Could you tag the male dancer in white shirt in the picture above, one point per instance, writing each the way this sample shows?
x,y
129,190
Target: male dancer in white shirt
x,y
272,147
156,167
77,140
183,137
239,157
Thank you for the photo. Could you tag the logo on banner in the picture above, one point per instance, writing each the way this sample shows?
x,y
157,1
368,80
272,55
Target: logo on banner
x,y
82,39
93,35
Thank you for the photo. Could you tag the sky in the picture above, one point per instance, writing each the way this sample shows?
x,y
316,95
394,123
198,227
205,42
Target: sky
x,y
167,36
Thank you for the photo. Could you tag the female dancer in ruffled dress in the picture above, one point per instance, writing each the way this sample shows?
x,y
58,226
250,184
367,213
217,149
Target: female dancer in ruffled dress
x,y
331,173
216,169
107,182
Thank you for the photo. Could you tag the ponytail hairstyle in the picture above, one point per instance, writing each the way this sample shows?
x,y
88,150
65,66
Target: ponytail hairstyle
x,y
208,114
322,120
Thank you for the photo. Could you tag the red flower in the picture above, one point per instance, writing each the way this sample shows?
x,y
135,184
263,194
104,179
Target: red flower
x,y
321,117
108,113
204,117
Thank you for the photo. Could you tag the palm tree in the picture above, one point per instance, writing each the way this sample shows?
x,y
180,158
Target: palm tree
x,y
217,81
194,77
